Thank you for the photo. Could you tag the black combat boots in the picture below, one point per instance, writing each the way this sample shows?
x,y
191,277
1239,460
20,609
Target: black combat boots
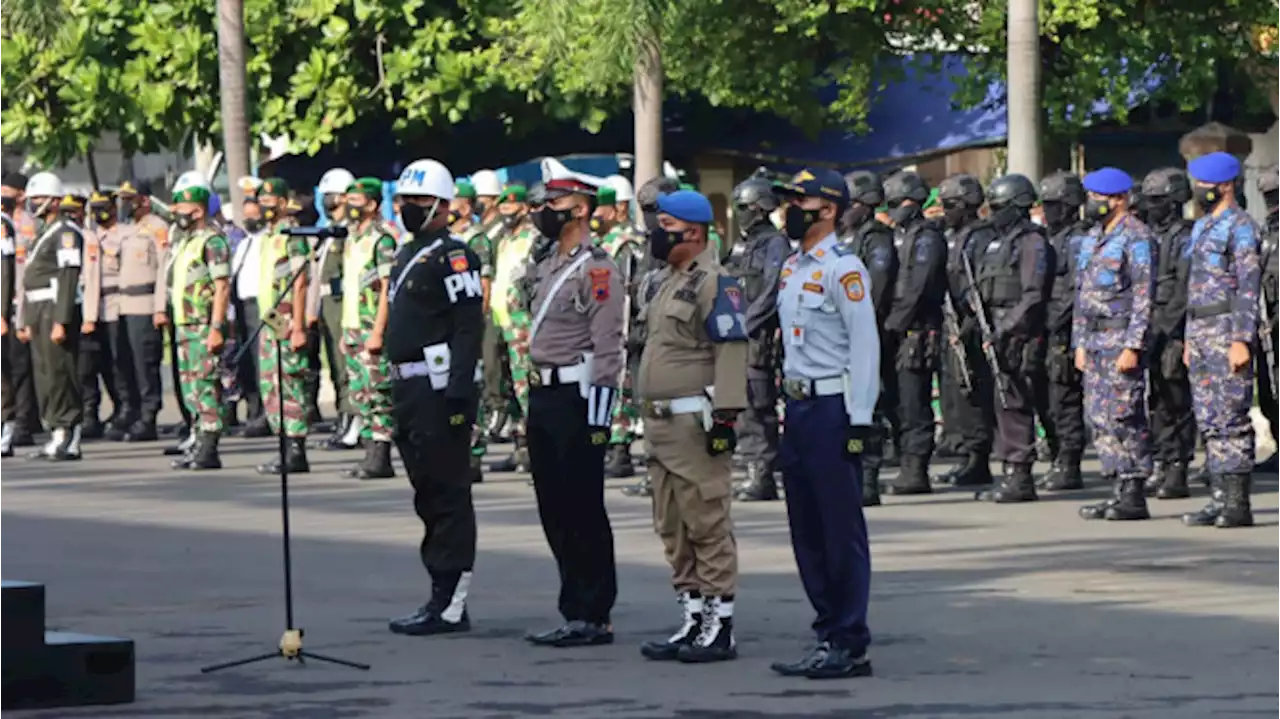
x,y
1064,475
973,471
871,486
205,453
715,641
376,464
760,486
618,463
338,441
1016,485
913,477
184,445
1207,515
295,459
1173,484
1128,502
444,613
1229,504
668,649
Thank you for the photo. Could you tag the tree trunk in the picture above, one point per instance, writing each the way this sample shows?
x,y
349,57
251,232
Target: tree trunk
x,y
1024,89
646,104
93,169
231,79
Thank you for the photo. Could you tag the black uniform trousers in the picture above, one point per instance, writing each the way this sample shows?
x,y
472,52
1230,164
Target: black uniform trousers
x,y
20,405
1173,424
95,360
437,459
568,479
247,321
914,367
885,414
57,380
970,415
1266,377
1059,393
1015,441
758,423
138,348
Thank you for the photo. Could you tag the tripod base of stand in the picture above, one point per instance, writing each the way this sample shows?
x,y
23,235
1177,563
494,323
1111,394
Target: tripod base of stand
x,y
290,650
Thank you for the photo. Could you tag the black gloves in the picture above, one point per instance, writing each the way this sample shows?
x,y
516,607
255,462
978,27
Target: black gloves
x,y
721,438
854,439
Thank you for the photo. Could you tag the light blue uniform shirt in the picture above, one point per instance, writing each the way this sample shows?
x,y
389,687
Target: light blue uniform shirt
x,y
829,323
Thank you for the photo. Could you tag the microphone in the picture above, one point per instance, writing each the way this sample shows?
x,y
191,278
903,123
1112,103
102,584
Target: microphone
x,y
320,233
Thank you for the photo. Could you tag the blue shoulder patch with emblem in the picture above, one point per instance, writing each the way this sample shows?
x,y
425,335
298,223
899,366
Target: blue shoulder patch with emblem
x,y
726,323
880,256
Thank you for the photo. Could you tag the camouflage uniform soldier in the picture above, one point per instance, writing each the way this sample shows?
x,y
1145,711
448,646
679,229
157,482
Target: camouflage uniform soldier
x,y
281,258
624,244
201,292
511,309
368,256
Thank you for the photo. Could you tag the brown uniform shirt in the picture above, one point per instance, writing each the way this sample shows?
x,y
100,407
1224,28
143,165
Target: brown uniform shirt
x,y
93,282
679,358
585,315
138,251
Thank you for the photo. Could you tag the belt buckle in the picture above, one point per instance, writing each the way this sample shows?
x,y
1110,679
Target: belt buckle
x,y
658,408
796,388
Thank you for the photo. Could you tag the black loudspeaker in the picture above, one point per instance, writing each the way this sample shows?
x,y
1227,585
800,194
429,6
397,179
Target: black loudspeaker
x,y
43,670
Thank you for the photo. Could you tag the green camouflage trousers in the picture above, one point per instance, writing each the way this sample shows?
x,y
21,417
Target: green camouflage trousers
x,y
517,337
293,392
625,411
198,377
368,387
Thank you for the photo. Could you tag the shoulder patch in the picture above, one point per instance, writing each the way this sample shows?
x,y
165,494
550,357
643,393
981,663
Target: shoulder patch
x,y
599,283
880,256
69,239
853,286
725,322
458,261
842,249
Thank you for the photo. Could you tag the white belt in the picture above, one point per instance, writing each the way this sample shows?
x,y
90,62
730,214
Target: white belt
x,y
405,370
662,408
566,375
806,388
45,294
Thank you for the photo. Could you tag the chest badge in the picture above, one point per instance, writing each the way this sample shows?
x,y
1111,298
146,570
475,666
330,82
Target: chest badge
x,y
458,261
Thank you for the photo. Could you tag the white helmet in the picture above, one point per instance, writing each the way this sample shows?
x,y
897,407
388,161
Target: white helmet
x,y
486,183
44,184
190,178
621,188
335,182
426,178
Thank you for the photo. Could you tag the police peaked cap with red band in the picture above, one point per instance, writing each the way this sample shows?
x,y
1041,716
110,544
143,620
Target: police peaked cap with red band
x,y
560,180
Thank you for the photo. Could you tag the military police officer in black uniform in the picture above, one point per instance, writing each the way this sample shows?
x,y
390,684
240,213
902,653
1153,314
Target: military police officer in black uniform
x,y
967,399
872,241
1173,428
1059,389
434,332
914,321
1011,277
1269,186
757,261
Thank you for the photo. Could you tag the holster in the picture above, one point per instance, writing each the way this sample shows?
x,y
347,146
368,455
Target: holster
x,y
917,351
1170,359
1060,365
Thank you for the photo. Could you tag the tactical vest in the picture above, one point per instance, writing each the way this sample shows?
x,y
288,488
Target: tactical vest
x,y
957,248
1064,279
905,243
274,268
359,250
742,265
1169,261
187,277
998,273
1271,261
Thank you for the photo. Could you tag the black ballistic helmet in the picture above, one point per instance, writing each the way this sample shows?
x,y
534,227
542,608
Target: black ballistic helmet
x,y
1064,187
755,192
905,185
865,187
647,195
537,195
961,187
1011,191
1167,182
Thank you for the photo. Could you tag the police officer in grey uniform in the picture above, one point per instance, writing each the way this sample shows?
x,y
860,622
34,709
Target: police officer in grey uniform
x,y
872,241
913,325
757,261
968,405
575,352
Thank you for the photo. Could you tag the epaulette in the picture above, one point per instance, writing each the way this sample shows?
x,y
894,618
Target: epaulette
x,y
598,253
842,249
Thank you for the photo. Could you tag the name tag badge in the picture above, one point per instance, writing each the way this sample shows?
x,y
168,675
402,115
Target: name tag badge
x,y
797,336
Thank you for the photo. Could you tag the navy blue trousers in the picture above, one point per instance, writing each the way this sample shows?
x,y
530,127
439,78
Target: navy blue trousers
x,y
828,529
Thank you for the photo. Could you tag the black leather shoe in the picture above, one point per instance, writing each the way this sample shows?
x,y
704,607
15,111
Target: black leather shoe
x,y
574,634
295,456
801,667
427,622
840,663
1237,509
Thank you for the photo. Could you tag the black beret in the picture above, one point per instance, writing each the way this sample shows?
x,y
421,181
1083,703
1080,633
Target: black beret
x,y
16,180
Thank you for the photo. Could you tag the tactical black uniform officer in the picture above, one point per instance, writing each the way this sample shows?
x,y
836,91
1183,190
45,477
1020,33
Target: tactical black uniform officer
x,y
757,261
1173,427
8,287
1269,186
913,324
967,399
872,241
1058,389
434,330
1012,280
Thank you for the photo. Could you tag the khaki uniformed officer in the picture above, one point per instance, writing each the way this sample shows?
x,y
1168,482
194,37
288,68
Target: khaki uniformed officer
x,y
692,385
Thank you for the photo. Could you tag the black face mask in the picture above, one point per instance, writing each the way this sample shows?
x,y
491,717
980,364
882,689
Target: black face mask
x,y
184,220
1208,198
1158,211
355,214
124,211
415,217
797,221
855,216
8,204
103,216
1006,216
1059,214
1097,210
904,214
955,217
509,221
661,242
253,224
331,205
550,222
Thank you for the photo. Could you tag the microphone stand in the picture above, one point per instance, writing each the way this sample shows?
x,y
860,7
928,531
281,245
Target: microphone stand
x,y
290,647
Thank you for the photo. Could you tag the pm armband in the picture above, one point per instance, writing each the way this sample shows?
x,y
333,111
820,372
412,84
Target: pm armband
x,y
600,405
726,322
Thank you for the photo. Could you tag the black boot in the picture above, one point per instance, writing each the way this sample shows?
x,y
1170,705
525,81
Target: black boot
x,y
185,442
760,485
642,488
342,438
1153,483
190,445
206,453
1132,504
1016,485
974,471
870,486
295,457
1099,510
119,426
1237,510
257,427
667,650
376,464
913,478
618,464
1208,515
1203,476
444,613
477,469
715,642
93,428
1174,484
1064,475
143,430
512,462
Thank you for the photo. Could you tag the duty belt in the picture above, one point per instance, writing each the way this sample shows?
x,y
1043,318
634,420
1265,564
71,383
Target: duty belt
x,y
43,294
552,376
666,408
108,291
138,290
808,388
1204,312
1097,324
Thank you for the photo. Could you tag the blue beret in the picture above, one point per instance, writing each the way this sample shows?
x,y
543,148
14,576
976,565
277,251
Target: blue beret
x,y
1215,167
1108,181
686,205
827,184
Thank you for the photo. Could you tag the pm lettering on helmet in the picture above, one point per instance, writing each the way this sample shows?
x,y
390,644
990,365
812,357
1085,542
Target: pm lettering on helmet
x,y
413,177
463,285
